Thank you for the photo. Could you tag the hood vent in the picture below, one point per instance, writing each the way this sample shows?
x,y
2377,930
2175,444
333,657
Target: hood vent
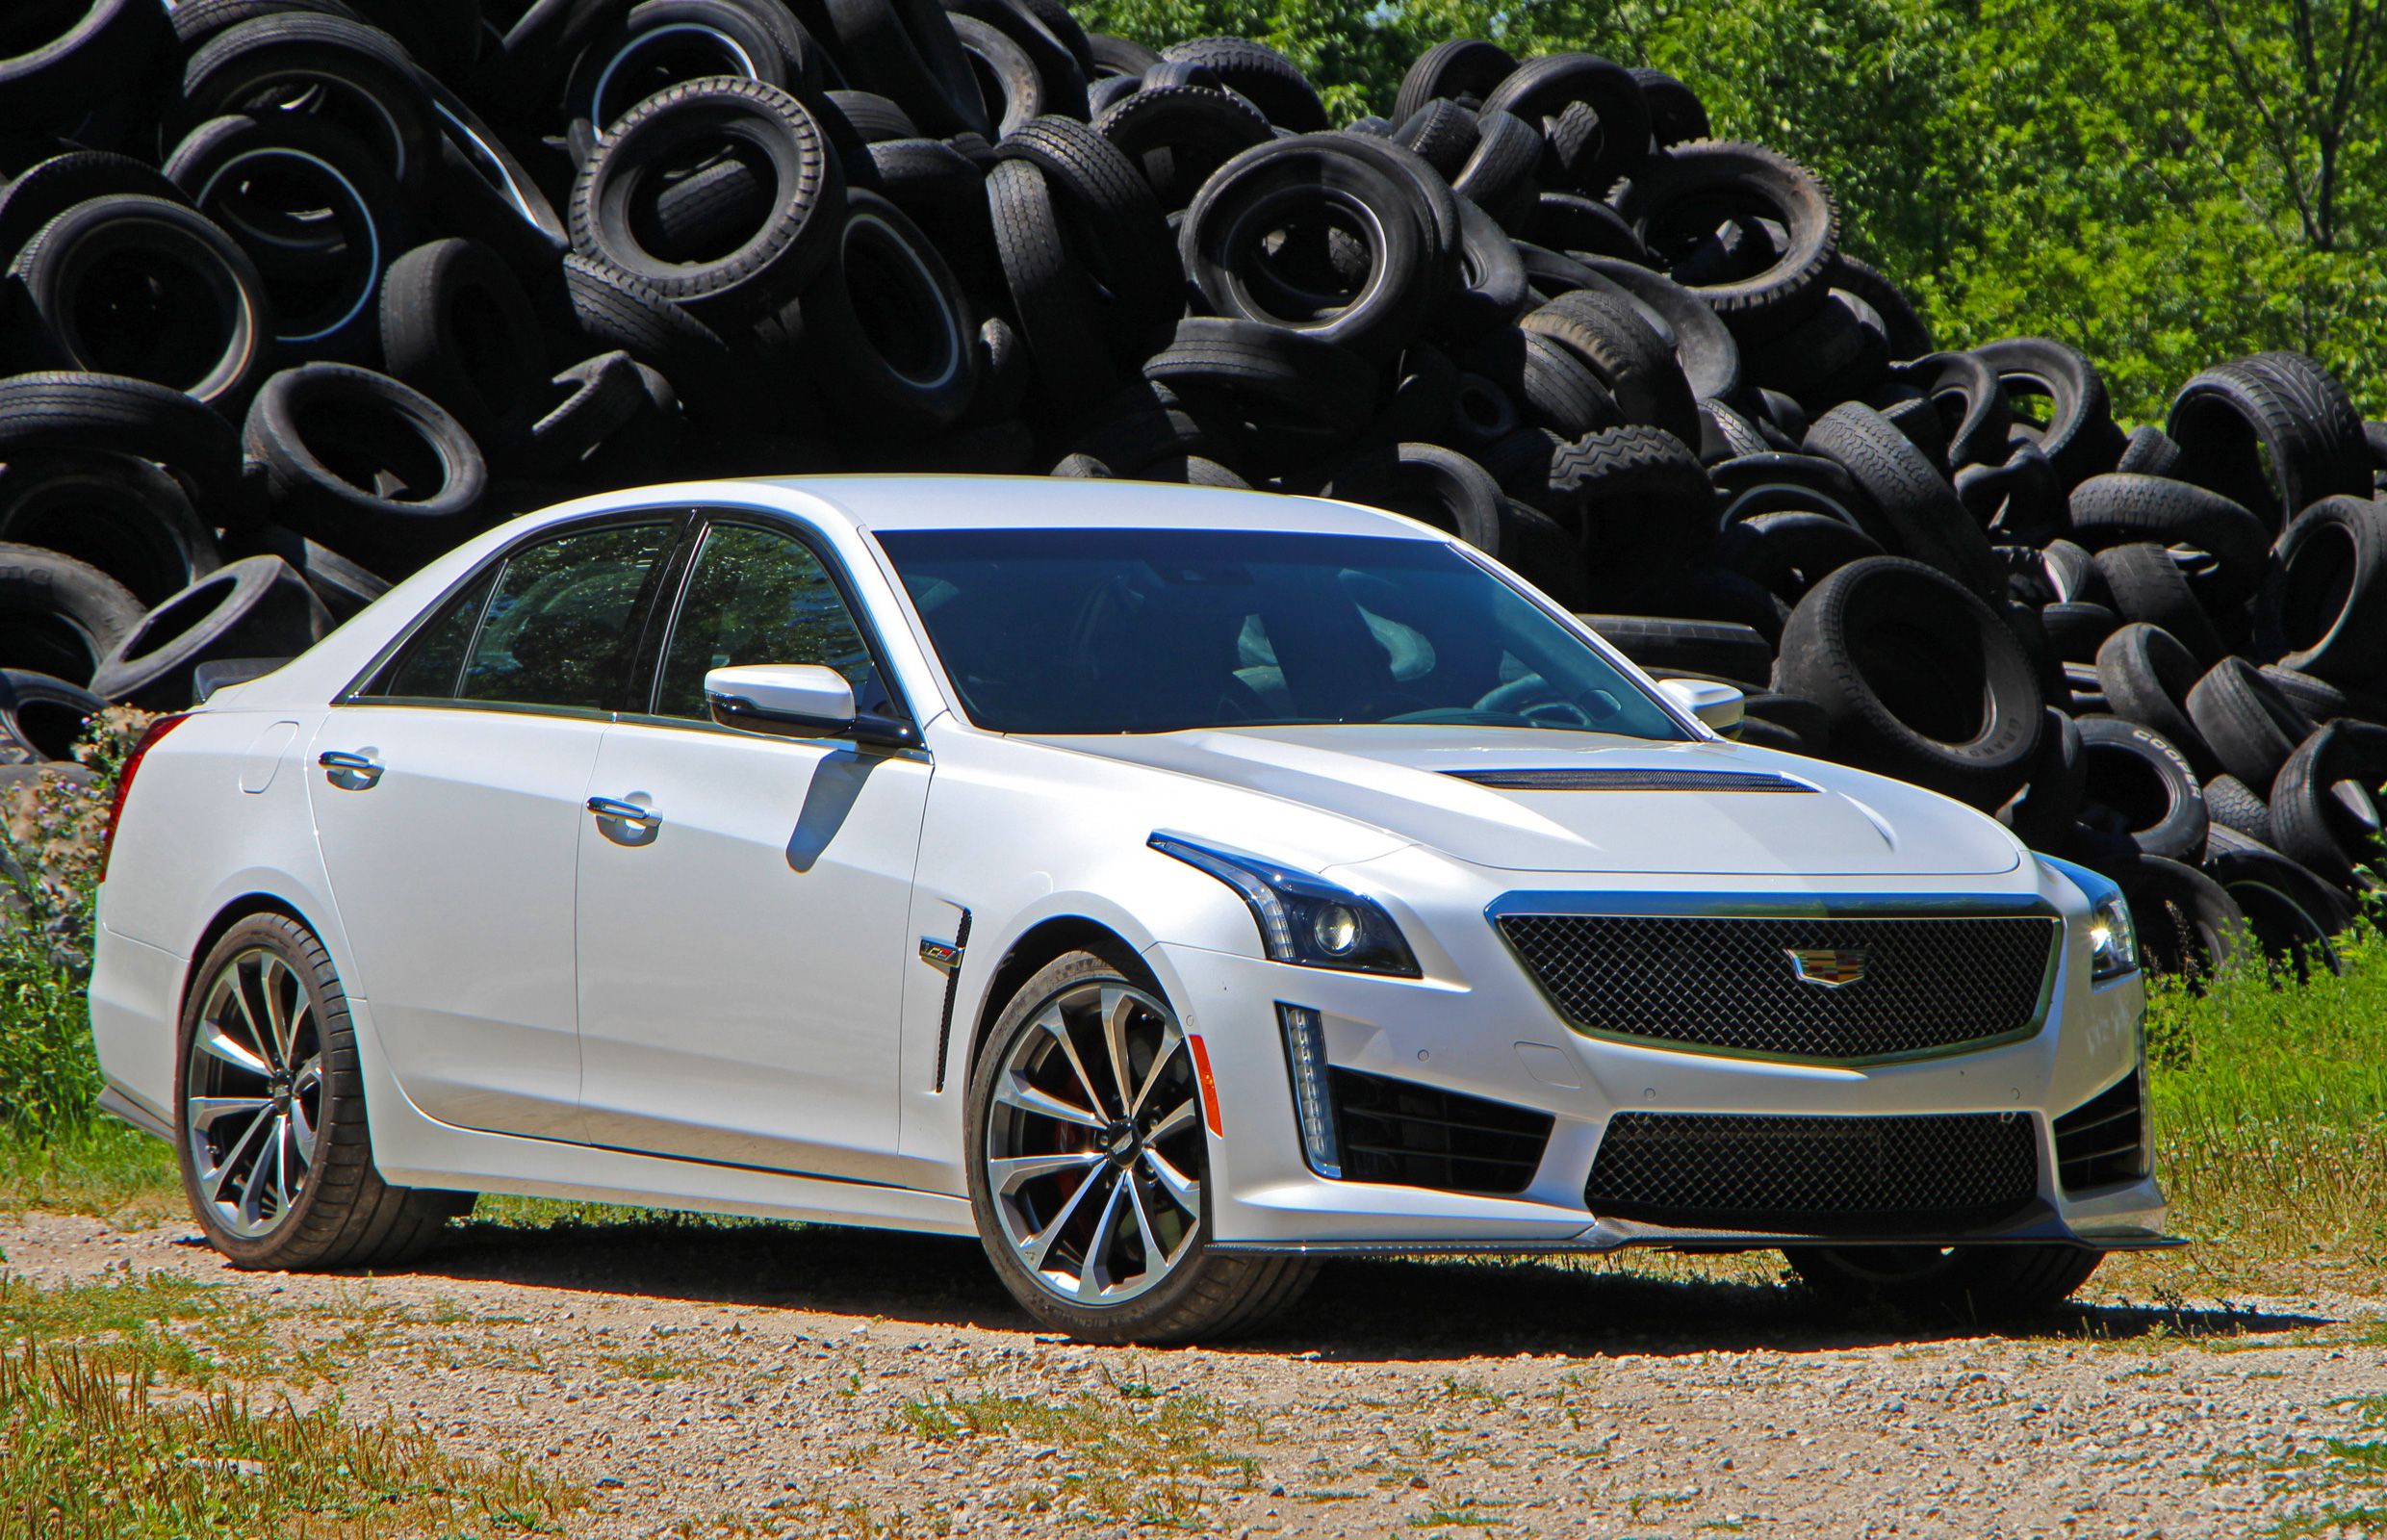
x,y
1629,780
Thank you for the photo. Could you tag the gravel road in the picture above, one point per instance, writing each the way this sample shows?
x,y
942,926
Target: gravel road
x,y
771,1380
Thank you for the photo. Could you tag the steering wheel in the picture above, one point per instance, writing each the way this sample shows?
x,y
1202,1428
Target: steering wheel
x,y
1534,698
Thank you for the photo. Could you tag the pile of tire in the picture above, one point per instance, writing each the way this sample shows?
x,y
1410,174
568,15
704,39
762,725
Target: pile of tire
x,y
301,293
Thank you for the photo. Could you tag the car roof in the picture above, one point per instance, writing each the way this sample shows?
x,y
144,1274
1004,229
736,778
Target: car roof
x,y
895,502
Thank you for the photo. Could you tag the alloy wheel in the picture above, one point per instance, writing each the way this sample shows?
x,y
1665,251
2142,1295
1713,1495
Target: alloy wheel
x,y
253,1095
1093,1147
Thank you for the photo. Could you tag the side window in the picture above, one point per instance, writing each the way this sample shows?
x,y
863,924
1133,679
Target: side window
x,y
756,596
558,629
434,656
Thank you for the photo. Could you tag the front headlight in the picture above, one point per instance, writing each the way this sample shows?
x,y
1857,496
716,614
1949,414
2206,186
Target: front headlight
x,y
1302,919
2112,938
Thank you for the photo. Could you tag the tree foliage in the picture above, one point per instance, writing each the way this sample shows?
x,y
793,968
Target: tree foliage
x,y
2164,185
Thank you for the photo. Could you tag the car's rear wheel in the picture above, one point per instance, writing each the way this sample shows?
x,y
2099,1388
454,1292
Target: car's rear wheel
x,y
1088,1168
276,1160
1974,1282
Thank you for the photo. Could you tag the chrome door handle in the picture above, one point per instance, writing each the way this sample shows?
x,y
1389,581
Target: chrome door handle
x,y
614,810
340,762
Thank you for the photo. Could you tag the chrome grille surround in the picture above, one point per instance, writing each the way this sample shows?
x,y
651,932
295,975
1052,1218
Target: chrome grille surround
x,y
1714,974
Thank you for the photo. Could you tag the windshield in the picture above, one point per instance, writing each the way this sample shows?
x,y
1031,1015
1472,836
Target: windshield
x,y
1158,630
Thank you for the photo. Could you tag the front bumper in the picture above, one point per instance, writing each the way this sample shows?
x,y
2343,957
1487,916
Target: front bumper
x,y
1479,1026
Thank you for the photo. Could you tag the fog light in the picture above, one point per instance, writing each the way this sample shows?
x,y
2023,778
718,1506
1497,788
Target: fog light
x,y
1305,1056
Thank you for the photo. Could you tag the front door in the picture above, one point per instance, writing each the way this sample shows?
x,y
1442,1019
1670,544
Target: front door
x,y
449,796
743,942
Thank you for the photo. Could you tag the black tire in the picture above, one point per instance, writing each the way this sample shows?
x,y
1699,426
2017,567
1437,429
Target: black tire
x,y
314,211
1112,219
1839,351
344,1214
42,718
59,616
1768,481
1270,81
2251,725
2274,433
1463,70
1789,723
112,415
2147,585
1550,386
1703,346
2076,630
1636,364
1179,135
2079,437
2323,608
1498,174
1792,551
601,397
483,192
1320,183
1902,326
342,585
1204,1293
2140,789
1971,402
124,516
1547,86
1011,87
1583,227
2117,508
2041,814
2022,500
1673,202
357,75
456,326
1677,115
2188,924
607,310
2293,912
62,60
1969,1283
1493,289
1638,501
1302,378
2149,452
615,190
2322,701
1715,649
1923,681
890,322
258,606
661,43
365,465
1913,511
2236,805
907,50
183,306
1051,38
2147,676
1430,484
1116,56
50,187
2324,807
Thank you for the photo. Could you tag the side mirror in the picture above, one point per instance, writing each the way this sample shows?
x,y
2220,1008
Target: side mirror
x,y
1720,706
797,701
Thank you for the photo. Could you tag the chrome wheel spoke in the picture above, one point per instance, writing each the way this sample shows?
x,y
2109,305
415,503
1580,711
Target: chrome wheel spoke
x,y
1154,1256
1013,1090
217,1177
1008,1173
1119,1009
1182,1190
1034,1248
205,1112
252,1207
1176,1120
1056,1027
280,1019
1173,1042
248,990
1090,1273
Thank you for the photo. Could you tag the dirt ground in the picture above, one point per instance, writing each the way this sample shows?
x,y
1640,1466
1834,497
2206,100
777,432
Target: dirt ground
x,y
773,1381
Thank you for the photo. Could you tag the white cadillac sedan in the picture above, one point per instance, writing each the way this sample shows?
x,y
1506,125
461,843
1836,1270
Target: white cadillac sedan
x,y
1169,886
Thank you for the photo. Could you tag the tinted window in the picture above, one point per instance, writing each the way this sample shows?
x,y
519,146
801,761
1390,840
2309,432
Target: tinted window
x,y
755,596
1155,631
559,627
435,656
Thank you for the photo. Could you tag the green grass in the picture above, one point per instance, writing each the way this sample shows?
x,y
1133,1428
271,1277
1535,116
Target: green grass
x,y
91,1451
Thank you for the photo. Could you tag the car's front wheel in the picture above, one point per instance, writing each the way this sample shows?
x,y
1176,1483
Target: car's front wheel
x,y
1088,1168
1973,1282
275,1157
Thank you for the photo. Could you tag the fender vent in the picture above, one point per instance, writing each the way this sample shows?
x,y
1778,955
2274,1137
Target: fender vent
x,y
952,983
1629,781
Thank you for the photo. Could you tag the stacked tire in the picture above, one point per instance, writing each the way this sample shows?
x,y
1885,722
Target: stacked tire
x,y
303,293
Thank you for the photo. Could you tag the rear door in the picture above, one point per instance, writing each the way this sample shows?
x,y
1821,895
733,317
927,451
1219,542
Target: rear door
x,y
744,940
448,793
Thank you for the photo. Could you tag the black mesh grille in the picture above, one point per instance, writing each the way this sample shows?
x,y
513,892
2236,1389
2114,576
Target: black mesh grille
x,y
1815,1175
1928,982
1417,1136
2101,1141
1629,780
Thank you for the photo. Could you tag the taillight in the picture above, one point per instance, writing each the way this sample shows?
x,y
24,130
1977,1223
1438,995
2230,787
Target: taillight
x,y
148,740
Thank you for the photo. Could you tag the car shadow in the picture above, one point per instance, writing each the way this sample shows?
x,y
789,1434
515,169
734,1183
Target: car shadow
x,y
1356,1312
